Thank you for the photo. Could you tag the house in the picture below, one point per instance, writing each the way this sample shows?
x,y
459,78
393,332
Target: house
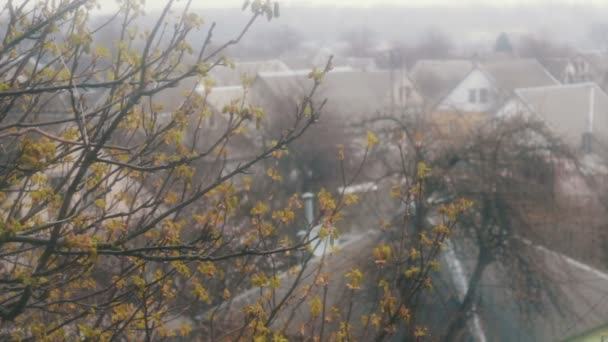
x,y
226,76
569,70
46,106
584,67
487,84
435,78
577,113
241,146
352,95
484,89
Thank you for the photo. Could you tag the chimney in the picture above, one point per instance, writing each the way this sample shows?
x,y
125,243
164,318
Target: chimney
x,y
319,247
309,209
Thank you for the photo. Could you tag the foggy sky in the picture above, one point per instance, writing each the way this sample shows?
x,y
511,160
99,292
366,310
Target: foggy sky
x,y
157,4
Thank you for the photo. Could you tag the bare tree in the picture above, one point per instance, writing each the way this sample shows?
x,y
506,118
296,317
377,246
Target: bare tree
x,y
361,41
540,47
434,44
125,216
505,168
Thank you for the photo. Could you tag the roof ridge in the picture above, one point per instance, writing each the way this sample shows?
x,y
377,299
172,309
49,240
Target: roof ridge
x,y
300,72
274,60
560,86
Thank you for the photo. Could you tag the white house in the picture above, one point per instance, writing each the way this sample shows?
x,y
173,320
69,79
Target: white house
x,y
476,93
489,85
434,79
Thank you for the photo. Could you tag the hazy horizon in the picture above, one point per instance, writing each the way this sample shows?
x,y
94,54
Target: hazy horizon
x,y
158,4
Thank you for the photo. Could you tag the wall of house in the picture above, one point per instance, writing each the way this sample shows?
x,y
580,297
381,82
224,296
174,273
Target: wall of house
x,y
456,127
405,94
459,99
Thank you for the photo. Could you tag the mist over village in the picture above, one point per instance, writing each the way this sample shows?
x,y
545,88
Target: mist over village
x,y
275,170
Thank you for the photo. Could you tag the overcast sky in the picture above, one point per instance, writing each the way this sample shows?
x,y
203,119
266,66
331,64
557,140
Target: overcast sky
x,y
367,3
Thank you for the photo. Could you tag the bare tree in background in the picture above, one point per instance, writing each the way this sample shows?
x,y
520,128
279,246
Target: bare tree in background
x,y
540,47
507,170
434,44
361,41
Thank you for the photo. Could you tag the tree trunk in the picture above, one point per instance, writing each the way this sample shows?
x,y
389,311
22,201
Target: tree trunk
x,y
457,324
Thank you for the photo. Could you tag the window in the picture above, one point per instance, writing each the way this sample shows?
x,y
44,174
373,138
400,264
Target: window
x,y
472,95
483,95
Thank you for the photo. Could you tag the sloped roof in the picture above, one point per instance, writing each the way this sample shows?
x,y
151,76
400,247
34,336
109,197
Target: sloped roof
x,y
349,92
435,78
173,98
555,66
518,73
286,84
45,104
358,93
568,108
225,76
221,96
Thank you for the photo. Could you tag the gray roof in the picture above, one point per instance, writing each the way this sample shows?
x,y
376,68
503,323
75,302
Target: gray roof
x,y
555,66
55,103
567,108
172,98
518,73
435,78
222,96
349,93
225,76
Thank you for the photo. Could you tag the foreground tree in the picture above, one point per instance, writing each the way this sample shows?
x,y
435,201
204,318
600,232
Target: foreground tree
x,y
124,215
506,168
104,217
